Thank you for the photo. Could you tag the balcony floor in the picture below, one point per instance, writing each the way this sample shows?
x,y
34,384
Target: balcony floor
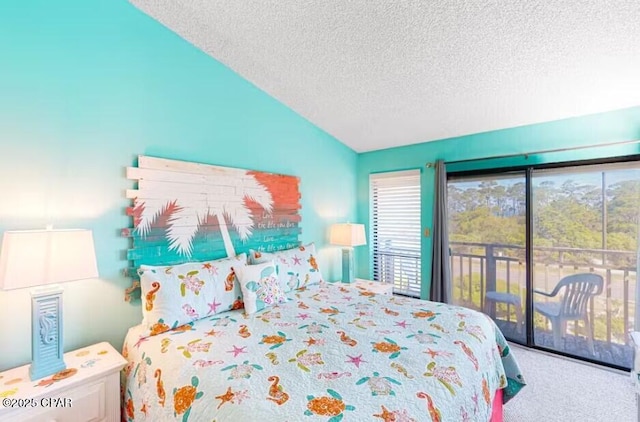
x,y
609,353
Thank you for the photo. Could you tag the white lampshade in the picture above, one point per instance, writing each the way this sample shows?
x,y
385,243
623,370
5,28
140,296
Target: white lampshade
x,y
36,257
347,234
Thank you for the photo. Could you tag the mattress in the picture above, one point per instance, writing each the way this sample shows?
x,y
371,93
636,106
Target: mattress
x,y
332,352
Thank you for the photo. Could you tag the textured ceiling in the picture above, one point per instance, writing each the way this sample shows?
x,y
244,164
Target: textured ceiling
x,y
377,74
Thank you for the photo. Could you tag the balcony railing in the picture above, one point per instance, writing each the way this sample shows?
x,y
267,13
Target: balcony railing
x,y
399,266
481,267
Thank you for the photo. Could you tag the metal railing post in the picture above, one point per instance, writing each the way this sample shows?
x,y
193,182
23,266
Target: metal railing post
x,y
491,276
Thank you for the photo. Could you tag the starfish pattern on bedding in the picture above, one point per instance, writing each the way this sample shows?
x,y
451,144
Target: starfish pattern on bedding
x,y
144,409
207,266
213,306
226,397
237,350
140,341
213,333
311,341
402,324
356,360
385,415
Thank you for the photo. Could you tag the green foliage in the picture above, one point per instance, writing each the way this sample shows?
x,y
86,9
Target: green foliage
x,y
565,216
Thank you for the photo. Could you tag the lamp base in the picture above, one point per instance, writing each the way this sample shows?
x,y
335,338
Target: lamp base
x,y
46,333
347,265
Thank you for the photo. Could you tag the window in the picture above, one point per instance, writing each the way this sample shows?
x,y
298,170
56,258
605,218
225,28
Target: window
x,y
395,217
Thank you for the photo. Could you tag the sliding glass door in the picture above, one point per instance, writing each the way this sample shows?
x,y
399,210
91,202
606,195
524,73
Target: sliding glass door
x,y
577,227
585,245
487,232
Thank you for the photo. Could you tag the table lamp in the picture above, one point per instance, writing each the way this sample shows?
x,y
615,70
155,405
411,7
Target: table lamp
x,y
33,258
347,235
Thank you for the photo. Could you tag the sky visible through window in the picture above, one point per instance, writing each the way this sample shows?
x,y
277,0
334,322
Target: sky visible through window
x,y
593,178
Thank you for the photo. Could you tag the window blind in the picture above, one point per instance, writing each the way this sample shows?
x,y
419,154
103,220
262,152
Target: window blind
x,y
395,216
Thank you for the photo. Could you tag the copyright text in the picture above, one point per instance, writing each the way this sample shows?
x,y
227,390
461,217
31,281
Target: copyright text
x,y
42,402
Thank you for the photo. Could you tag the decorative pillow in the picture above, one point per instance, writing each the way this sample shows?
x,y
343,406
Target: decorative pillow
x,y
297,267
260,286
176,295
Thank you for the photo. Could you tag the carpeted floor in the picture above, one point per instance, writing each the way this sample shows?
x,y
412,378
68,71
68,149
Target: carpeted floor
x,y
563,390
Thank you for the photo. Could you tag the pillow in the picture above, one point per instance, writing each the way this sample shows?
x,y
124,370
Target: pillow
x,y
176,295
297,267
260,286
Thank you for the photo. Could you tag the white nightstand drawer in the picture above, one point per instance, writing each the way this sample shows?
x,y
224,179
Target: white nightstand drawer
x,y
86,404
374,286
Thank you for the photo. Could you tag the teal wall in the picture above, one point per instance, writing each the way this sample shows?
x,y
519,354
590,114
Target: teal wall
x,y
88,85
616,126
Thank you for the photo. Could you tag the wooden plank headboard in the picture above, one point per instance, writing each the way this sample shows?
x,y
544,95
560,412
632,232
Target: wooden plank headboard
x,y
184,211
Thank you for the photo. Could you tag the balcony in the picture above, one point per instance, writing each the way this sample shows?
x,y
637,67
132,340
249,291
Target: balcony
x,y
400,266
481,267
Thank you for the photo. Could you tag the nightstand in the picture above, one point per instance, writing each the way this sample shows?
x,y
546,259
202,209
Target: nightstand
x,y
374,286
88,390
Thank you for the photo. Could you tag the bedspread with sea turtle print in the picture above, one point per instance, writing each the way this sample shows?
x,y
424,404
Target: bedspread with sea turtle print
x,y
332,352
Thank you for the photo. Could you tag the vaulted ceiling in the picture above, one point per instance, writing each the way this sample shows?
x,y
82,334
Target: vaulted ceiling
x,y
377,74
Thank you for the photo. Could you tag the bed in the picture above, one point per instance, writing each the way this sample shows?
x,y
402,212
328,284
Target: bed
x,y
329,352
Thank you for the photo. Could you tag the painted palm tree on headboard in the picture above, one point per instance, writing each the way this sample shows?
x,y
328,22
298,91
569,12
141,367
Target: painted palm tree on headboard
x,y
193,197
231,207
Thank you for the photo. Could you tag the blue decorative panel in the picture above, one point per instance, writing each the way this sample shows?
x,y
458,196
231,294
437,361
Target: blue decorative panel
x,y
46,330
